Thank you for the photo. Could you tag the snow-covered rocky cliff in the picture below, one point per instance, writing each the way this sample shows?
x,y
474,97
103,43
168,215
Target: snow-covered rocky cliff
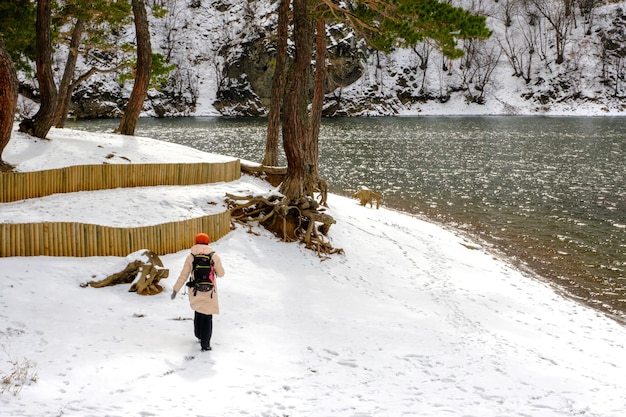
x,y
543,58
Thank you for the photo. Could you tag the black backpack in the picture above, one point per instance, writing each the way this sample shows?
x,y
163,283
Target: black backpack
x,y
203,273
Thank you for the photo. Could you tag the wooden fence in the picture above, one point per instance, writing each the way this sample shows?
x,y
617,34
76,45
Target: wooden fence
x,y
16,186
79,240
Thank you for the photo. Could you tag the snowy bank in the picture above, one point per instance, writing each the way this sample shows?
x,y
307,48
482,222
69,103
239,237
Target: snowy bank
x,y
411,320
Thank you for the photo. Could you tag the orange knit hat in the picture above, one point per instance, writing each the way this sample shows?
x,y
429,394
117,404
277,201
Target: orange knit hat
x,y
202,238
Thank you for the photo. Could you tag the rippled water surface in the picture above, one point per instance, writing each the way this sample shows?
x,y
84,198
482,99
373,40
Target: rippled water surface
x,y
547,192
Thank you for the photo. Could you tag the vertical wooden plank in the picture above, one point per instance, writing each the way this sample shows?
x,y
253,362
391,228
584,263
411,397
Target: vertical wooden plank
x,y
40,239
94,177
54,250
29,238
121,242
168,237
106,242
136,239
68,237
149,243
65,237
49,239
58,238
76,240
171,236
3,239
120,237
70,240
25,185
96,239
18,231
128,242
86,240
4,243
17,180
112,242
79,239
159,237
93,244
23,235
11,240
50,182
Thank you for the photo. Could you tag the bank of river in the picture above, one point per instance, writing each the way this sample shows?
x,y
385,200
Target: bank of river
x,y
548,193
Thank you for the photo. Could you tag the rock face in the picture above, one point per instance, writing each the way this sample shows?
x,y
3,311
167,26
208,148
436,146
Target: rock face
x,y
97,101
247,91
224,58
244,81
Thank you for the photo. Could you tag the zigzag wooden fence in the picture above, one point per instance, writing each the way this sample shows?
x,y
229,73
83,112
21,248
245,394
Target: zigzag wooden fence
x,y
79,239
16,186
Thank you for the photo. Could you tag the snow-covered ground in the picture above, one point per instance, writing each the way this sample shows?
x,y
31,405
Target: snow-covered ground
x,y
411,320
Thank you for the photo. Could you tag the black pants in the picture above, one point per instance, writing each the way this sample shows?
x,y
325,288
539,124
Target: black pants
x,y
203,329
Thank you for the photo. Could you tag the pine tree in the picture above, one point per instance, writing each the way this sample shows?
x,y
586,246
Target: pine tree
x,y
39,125
384,24
8,98
143,70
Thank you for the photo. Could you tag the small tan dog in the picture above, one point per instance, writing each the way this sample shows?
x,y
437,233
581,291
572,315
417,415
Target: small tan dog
x,y
365,195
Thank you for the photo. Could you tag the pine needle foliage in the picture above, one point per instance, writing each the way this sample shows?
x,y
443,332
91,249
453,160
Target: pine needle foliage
x,y
17,30
386,24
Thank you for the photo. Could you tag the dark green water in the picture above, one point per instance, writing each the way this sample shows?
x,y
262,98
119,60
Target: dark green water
x,y
548,193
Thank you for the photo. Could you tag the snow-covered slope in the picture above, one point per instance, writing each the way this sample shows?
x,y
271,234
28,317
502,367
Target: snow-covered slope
x,y
516,71
412,320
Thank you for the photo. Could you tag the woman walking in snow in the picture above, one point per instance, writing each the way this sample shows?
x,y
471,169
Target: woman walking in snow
x,y
202,288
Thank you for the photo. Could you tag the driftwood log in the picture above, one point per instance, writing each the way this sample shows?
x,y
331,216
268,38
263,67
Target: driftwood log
x,y
149,268
273,175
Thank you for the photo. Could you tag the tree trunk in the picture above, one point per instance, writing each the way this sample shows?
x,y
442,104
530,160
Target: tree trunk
x,y
65,89
278,87
40,124
142,75
8,97
318,94
294,115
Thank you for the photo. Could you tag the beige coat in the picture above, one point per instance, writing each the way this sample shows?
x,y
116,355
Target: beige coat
x,y
202,302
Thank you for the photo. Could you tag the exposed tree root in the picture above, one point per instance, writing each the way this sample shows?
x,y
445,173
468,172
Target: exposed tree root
x,y
301,220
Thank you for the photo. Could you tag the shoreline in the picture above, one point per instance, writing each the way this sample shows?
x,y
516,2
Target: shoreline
x,y
184,153
523,266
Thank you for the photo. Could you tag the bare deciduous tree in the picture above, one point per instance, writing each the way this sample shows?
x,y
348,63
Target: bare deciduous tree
x,y
559,16
423,52
477,67
587,10
65,88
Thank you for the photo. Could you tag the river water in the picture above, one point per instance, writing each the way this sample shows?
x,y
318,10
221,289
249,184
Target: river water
x,y
546,193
